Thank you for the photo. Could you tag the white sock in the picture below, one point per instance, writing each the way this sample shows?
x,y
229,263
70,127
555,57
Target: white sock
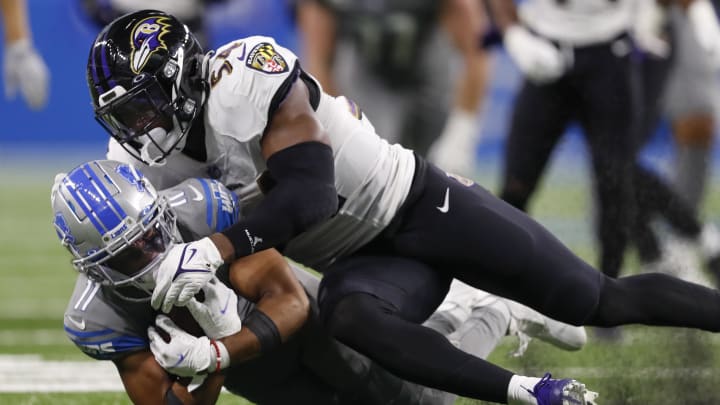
x,y
518,390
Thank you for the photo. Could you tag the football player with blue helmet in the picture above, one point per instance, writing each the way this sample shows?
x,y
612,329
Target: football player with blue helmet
x,y
117,228
388,230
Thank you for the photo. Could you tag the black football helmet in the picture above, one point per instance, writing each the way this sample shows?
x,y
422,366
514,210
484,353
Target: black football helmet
x,y
145,74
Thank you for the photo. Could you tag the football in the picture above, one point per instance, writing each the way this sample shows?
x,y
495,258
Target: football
x,y
184,319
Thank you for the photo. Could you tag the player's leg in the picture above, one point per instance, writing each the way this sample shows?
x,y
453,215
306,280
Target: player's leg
x,y
375,304
689,102
469,310
609,126
429,99
490,245
539,117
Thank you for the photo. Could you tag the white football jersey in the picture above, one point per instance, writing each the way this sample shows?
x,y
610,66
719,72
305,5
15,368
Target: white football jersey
x,y
577,22
248,78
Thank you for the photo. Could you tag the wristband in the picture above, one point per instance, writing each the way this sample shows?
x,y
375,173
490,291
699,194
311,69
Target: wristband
x,y
222,357
264,328
218,358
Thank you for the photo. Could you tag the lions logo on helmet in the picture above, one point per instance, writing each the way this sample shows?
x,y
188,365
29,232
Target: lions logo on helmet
x,y
105,209
147,39
63,230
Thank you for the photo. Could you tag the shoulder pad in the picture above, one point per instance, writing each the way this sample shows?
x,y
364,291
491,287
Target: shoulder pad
x,y
244,77
203,206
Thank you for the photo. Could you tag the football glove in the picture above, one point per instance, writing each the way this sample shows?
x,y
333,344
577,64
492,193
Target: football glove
x,y
25,70
217,315
649,28
538,59
185,355
704,22
183,272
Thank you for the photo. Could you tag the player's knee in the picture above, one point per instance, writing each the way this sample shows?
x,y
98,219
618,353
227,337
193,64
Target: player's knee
x,y
575,301
348,317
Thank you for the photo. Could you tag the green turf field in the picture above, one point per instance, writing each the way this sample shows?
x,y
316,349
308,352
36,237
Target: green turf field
x,y
649,366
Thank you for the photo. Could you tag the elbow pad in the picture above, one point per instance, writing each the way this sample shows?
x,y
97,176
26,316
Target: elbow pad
x,y
303,195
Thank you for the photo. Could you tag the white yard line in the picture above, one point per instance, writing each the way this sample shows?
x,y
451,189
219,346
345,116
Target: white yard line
x,y
33,374
27,373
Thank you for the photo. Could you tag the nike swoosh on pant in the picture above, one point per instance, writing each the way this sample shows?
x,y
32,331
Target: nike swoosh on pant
x,y
446,203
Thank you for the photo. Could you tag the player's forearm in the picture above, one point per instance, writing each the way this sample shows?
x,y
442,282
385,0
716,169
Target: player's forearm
x,y
304,195
15,20
286,313
209,391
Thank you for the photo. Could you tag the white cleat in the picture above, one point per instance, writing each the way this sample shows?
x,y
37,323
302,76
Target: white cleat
x,y
524,322
527,323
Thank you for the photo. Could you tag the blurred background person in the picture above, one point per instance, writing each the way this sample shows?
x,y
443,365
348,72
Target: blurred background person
x,y
591,76
24,70
679,63
416,68
575,57
192,12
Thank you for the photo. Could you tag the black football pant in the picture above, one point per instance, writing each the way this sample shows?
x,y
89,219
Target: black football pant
x,y
375,300
599,92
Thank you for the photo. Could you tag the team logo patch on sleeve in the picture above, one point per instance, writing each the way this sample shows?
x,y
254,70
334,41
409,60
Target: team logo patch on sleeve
x,y
265,58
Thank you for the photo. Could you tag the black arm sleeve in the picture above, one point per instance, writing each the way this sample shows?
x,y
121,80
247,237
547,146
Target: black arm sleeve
x,y
304,195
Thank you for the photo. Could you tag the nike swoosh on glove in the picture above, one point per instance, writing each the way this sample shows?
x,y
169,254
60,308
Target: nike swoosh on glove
x,y
184,271
538,59
25,69
217,315
184,355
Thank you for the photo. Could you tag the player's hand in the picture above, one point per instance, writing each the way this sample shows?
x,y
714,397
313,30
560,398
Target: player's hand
x,y
649,28
183,272
184,355
217,315
704,22
538,59
25,70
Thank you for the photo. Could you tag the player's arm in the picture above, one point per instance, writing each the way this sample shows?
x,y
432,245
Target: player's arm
x,y
317,27
300,160
282,306
146,382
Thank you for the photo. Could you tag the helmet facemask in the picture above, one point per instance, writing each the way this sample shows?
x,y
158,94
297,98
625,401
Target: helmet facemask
x,y
148,122
147,83
115,225
127,265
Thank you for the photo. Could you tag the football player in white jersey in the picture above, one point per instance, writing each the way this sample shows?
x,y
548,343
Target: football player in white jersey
x,y
388,230
588,75
115,224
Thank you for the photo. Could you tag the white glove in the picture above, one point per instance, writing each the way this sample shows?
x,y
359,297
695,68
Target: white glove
x,y
705,25
649,28
25,70
183,272
537,58
185,355
217,315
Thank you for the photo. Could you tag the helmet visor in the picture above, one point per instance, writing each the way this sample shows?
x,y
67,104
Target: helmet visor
x,y
133,114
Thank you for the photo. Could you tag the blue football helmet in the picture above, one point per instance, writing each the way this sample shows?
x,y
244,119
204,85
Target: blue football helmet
x,y
114,223
146,78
